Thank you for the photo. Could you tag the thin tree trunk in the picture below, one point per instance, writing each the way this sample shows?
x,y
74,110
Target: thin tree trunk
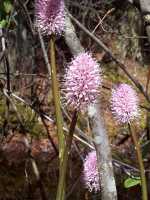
x,y
71,38
105,167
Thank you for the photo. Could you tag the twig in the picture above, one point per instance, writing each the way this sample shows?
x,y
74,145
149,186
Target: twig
x,y
6,63
49,136
44,53
7,68
73,187
101,20
27,17
38,178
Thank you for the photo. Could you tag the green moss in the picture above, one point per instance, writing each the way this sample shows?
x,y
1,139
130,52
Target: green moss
x,y
31,121
29,118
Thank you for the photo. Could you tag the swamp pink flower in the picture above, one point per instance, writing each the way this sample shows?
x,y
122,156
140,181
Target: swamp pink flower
x,y
82,81
90,172
50,16
124,103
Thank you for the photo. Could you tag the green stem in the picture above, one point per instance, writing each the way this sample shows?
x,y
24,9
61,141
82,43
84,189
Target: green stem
x,y
56,97
62,177
141,165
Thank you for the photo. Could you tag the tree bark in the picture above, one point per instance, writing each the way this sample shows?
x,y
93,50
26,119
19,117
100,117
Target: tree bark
x,y
105,167
71,38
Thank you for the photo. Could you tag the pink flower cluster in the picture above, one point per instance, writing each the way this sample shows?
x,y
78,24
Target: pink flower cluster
x,y
50,16
82,81
124,103
90,172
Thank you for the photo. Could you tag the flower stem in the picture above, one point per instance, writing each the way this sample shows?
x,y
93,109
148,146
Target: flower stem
x,y
141,165
56,97
62,176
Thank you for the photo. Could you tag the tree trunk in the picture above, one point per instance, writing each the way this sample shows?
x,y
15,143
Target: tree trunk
x,y
105,167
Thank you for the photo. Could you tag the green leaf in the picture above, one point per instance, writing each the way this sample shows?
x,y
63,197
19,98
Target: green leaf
x,y
3,23
7,6
131,182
